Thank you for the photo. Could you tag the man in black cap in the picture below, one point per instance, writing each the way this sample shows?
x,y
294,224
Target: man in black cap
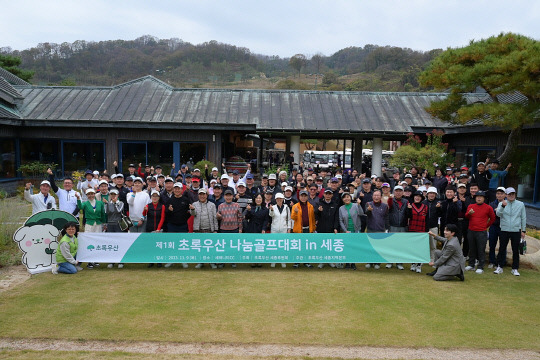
x,y
167,192
365,194
327,216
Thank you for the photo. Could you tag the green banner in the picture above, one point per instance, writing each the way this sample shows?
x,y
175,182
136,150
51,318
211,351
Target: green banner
x,y
254,248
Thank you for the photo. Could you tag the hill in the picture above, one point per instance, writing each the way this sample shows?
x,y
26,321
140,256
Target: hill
x,y
214,64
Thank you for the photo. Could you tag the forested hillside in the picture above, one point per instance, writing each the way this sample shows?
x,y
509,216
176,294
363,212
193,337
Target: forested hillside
x,y
214,64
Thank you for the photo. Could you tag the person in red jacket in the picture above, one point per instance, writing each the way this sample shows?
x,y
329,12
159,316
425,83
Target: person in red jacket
x,y
155,215
481,216
417,214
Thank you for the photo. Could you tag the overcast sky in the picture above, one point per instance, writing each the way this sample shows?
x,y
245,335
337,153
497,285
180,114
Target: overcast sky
x,y
271,27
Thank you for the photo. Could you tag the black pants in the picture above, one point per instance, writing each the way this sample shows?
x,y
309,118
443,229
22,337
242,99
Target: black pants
x,y
463,225
477,248
515,238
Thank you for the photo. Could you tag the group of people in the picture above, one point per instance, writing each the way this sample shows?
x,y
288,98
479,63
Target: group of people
x,y
466,209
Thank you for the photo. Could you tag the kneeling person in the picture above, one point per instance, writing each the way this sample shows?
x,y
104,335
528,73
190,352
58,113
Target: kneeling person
x,y
449,261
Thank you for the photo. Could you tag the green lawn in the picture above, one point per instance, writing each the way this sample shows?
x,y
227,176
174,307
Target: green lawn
x,y
284,306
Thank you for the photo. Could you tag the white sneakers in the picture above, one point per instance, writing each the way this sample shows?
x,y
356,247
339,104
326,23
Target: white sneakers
x,y
120,266
198,266
491,266
284,265
185,265
515,272
321,266
400,267
377,267
388,266
213,266
418,269
368,266
498,270
469,268
54,269
110,266
413,267
479,271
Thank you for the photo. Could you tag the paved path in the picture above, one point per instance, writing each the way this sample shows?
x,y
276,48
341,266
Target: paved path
x,y
343,352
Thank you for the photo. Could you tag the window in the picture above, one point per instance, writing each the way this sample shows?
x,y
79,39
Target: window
x,y
83,155
160,153
192,153
7,166
44,151
133,153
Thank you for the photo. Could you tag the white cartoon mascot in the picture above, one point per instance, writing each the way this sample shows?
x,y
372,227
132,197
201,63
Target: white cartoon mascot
x,y
38,244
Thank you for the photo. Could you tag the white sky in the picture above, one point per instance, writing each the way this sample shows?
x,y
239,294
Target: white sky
x,y
272,27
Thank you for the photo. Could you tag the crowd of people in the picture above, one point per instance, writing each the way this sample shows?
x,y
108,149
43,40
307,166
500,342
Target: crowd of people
x,y
467,209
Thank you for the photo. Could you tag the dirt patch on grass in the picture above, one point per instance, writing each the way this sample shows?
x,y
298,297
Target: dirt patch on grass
x,y
344,352
12,276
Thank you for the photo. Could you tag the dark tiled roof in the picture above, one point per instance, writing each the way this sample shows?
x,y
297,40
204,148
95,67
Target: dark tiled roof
x,y
6,112
150,101
11,78
8,92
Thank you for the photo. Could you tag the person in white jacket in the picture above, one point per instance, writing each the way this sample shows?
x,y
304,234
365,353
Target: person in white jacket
x,y
281,219
42,200
137,200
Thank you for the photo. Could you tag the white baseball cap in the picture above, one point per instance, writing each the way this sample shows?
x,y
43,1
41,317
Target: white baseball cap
x,y
45,182
224,176
241,183
90,190
96,172
272,177
154,192
214,169
280,196
178,184
432,189
103,182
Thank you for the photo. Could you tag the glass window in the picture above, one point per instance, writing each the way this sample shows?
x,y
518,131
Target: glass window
x,y
192,153
82,156
161,153
45,151
7,166
133,153
526,171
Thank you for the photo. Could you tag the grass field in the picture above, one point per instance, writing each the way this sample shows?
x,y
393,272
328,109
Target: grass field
x,y
277,306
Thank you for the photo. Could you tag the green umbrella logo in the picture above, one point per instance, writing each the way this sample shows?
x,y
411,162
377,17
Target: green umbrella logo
x,y
90,247
57,218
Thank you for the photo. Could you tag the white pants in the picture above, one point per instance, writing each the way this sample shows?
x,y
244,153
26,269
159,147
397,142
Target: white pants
x,y
96,228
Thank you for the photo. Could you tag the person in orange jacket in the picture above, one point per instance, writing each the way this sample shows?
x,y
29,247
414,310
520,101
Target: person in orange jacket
x,y
303,215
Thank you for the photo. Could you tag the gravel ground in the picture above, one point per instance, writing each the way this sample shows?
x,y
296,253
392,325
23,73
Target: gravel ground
x,y
12,276
344,352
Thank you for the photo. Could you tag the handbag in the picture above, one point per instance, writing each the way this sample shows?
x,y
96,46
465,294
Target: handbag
x,y
522,247
125,223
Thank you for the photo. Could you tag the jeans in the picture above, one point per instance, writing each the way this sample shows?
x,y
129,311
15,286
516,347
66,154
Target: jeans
x,y
67,268
494,234
477,248
515,238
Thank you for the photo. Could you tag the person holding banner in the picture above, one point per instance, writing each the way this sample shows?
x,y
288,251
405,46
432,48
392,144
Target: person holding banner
x,y
155,215
67,250
377,218
350,218
114,209
327,216
303,215
281,218
94,213
397,215
417,214
230,216
257,219
137,200
204,216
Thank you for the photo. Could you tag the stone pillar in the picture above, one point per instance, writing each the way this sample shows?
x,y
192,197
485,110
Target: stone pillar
x,y
357,155
376,159
295,146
